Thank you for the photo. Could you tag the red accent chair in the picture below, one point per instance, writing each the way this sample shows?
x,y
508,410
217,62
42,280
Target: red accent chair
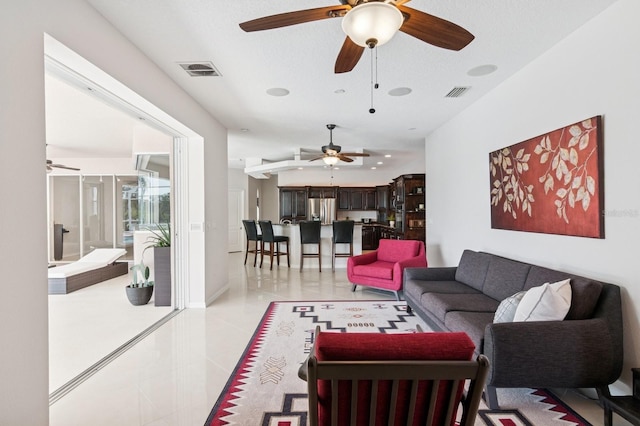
x,y
402,379
384,267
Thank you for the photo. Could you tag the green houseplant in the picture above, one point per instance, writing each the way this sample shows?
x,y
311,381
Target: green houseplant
x,y
160,240
140,290
391,217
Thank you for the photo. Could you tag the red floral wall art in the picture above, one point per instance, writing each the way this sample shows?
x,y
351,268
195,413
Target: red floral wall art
x,y
552,183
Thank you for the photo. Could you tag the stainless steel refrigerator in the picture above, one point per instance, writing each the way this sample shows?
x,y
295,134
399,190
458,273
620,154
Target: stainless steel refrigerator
x,y
322,209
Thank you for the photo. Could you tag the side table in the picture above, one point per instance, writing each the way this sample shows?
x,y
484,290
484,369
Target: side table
x,y
627,406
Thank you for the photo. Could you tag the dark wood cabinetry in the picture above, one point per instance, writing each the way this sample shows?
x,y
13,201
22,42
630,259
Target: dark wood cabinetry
x,y
357,199
382,202
410,206
322,192
293,203
370,199
369,237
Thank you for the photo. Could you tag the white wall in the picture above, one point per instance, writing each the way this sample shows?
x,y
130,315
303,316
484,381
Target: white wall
x,y
592,72
23,307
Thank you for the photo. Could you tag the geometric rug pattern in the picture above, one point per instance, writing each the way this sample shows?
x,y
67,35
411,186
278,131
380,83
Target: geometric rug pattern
x,y
264,389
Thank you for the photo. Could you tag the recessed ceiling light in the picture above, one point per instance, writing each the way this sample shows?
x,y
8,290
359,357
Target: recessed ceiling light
x,y
399,91
379,162
339,91
244,130
277,91
373,168
411,128
300,168
387,156
482,70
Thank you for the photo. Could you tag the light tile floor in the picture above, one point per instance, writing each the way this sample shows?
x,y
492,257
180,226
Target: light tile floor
x,y
88,324
174,376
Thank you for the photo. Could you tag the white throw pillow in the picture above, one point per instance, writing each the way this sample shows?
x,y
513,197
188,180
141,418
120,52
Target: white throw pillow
x,y
548,302
507,308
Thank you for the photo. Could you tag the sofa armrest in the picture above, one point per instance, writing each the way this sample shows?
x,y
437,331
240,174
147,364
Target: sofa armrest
x,y
572,354
430,274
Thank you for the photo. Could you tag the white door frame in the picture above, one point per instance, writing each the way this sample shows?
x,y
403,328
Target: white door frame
x,y
235,232
188,176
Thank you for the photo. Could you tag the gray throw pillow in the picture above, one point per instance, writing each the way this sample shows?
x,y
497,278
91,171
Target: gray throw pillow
x,y
507,309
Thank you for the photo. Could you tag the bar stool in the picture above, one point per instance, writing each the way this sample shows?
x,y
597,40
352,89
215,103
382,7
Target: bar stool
x,y
342,234
251,230
310,234
274,243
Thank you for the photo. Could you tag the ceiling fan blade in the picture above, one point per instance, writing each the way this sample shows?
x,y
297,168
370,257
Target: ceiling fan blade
x,y
318,158
61,166
344,158
434,30
355,154
293,18
348,57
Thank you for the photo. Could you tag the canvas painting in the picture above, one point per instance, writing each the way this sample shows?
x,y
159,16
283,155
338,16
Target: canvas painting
x,y
552,183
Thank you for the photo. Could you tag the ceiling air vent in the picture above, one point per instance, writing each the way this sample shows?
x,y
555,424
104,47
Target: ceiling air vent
x,y
200,69
456,92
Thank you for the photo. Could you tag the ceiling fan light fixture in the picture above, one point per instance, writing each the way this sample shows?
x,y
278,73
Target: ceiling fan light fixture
x,y
372,24
330,161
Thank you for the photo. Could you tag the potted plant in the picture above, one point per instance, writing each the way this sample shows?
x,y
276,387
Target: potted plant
x,y
160,240
392,219
139,292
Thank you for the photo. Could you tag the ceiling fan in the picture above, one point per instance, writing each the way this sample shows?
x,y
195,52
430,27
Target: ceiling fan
x,y
331,153
51,165
370,23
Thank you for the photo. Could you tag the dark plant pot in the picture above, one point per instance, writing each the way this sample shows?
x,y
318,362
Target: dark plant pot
x,y
162,275
139,295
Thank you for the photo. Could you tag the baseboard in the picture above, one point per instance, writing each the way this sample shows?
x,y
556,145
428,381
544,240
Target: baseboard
x,y
215,295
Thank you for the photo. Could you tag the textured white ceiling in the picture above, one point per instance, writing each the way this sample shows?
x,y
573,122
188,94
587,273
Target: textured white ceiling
x,y
300,58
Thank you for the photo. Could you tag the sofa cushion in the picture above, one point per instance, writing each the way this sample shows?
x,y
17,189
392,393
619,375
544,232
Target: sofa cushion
x,y
472,268
548,302
472,323
507,309
586,292
377,269
505,277
440,303
416,288
396,250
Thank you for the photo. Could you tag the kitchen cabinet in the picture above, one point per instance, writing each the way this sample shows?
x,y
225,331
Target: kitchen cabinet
x,y
369,197
357,198
322,192
410,206
382,202
293,203
369,237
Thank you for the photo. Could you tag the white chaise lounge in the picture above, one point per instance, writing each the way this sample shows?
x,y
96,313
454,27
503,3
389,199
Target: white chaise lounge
x,y
97,266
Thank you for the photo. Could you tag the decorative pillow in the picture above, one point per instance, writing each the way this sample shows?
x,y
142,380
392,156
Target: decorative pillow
x,y
507,309
548,302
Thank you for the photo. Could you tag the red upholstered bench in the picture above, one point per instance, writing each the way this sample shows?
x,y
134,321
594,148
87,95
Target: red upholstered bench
x,y
383,268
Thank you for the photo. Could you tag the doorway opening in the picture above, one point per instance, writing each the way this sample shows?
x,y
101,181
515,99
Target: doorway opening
x,y
110,202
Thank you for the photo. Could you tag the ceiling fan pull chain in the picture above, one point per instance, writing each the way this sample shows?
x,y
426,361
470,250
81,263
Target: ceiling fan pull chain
x,y
372,109
376,68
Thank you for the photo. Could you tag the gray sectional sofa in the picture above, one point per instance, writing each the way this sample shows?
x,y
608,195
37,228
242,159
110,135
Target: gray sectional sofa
x,y
582,351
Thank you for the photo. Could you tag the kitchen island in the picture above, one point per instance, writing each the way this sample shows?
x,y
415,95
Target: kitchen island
x,y
293,232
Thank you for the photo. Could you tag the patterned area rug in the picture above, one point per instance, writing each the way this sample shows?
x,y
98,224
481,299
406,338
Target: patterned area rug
x,y
265,389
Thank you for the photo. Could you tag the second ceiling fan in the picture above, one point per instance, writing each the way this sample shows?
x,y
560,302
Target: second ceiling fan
x,y
331,153
383,19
